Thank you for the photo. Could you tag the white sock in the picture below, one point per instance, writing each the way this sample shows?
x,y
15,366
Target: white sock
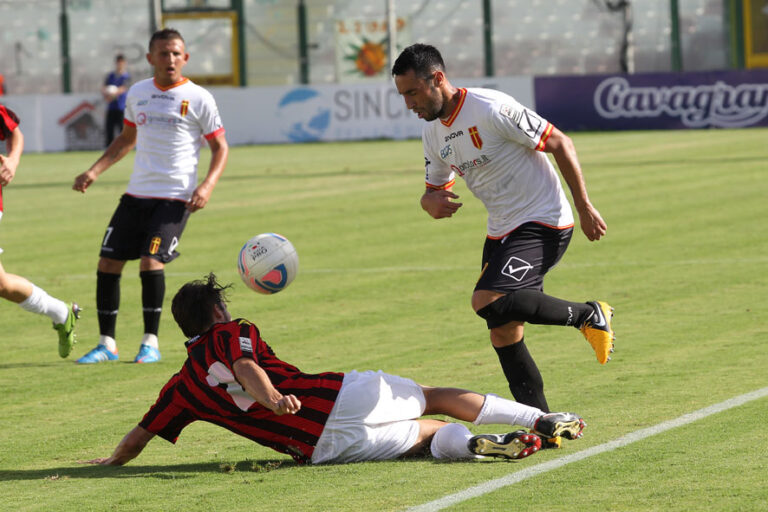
x,y
41,303
450,442
151,340
109,342
506,412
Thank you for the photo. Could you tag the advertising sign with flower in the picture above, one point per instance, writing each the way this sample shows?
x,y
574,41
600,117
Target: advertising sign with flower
x,y
362,48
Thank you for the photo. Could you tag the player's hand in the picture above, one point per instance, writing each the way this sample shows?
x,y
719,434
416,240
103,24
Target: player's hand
x,y
7,170
199,198
104,461
592,224
83,181
438,203
288,404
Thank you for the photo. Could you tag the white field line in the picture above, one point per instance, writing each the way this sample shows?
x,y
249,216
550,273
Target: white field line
x,y
519,476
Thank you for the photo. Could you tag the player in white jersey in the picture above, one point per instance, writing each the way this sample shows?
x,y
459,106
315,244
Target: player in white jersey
x,y
497,146
166,119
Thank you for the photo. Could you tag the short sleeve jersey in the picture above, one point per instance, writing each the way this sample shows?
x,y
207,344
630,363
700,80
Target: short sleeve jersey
x,y
8,122
171,123
496,144
205,389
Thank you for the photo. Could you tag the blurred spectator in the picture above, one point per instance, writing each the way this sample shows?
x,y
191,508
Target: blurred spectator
x,y
114,91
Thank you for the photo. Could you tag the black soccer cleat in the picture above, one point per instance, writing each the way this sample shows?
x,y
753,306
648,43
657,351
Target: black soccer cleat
x,y
559,424
515,445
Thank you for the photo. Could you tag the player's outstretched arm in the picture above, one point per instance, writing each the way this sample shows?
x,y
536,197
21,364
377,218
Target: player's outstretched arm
x,y
120,147
438,204
256,382
562,148
219,154
128,449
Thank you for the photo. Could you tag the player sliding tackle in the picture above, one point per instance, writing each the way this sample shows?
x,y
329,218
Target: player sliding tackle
x,y
233,379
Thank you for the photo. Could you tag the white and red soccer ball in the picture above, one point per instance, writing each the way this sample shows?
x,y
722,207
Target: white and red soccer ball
x,y
267,263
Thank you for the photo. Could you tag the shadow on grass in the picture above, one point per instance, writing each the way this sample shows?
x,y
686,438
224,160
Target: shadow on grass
x,y
182,471
161,472
9,366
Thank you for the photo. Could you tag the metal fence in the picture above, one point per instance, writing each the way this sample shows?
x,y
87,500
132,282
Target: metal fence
x,y
529,37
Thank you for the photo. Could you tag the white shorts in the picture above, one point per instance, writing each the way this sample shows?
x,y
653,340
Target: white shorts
x,y
372,419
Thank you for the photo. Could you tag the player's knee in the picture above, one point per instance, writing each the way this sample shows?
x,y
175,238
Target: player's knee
x,y
110,266
481,298
490,313
501,311
507,334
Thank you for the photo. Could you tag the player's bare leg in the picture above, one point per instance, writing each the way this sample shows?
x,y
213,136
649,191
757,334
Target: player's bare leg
x,y
35,300
14,288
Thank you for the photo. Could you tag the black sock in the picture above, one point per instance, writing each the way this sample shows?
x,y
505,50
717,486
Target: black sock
x,y
107,302
152,294
523,375
535,307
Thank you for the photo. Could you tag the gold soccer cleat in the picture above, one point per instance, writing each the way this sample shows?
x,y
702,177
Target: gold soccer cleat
x,y
599,332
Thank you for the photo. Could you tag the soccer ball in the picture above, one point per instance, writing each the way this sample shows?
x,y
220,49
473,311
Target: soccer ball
x,y
267,263
110,90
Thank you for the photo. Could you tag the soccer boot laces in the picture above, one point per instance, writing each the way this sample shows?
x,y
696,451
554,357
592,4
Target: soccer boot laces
x,y
147,354
66,330
559,424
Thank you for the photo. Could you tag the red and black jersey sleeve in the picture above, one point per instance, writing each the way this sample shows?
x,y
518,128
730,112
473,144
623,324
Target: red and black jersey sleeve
x,y
235,340
167,418
8,122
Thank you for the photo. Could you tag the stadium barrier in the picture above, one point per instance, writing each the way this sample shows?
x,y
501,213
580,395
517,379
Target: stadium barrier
x,y
254,115
344,112
716,99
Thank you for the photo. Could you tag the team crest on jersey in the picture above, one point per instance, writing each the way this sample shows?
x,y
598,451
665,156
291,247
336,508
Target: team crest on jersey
x,y
154,245
476,140
184,107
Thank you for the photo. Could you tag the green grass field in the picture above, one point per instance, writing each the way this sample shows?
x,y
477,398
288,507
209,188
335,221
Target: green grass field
x,y
382,285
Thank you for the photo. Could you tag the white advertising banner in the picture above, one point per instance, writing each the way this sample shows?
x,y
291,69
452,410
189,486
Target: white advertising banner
x,y
335,112
60,122
255,115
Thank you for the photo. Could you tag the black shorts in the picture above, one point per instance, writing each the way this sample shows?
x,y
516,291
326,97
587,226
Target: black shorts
x,y
145,227
522,258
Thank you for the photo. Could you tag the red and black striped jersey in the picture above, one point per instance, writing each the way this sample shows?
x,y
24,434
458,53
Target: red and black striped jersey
x,y
205,389
8,122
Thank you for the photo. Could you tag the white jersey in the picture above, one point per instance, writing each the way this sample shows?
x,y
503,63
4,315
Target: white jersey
x,y
496,145
170,124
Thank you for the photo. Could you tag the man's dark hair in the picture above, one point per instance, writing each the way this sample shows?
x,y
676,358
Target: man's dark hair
x,y
164,34
423,59
192,306
119,57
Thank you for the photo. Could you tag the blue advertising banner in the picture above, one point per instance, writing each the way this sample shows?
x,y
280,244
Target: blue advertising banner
x,y
716,99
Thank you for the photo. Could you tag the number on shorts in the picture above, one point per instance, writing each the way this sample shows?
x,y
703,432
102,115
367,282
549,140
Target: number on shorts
x,y
107,235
